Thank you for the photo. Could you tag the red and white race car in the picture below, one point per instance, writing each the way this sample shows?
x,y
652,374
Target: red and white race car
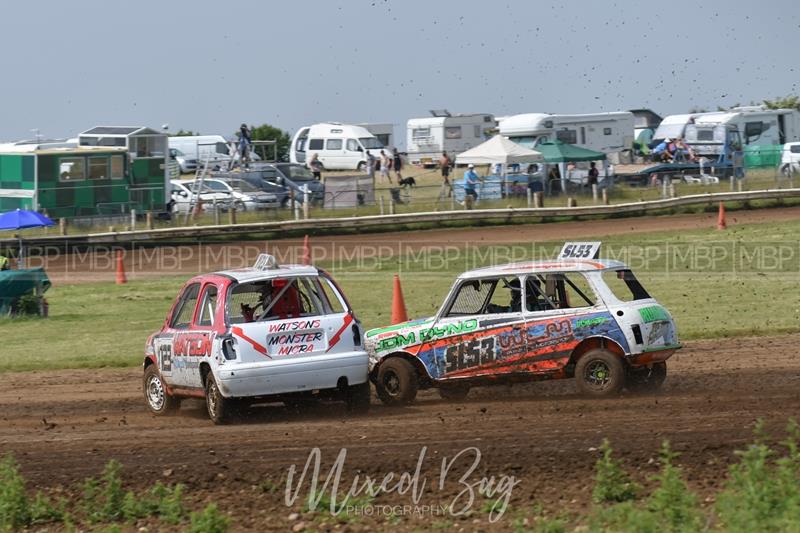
x,y
269,332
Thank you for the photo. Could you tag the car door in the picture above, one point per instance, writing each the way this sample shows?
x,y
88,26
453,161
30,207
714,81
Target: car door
x,y
558,307
481,332
169,344
197,341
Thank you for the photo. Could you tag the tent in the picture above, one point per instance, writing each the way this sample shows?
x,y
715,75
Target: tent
x,y
561,152
498,149
21,219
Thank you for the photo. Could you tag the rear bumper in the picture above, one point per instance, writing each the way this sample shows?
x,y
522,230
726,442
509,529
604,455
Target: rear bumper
x,y
652,356
291,375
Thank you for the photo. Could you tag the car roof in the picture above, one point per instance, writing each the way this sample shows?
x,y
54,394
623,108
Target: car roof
x,y
535,267
245,275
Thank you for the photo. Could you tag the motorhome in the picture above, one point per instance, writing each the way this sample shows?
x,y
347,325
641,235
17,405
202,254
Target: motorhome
x,y
603,132
338,146
214,148
428,137
757,125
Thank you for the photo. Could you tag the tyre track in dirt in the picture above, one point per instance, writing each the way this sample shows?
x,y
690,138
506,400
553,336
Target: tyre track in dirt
x,y
64,426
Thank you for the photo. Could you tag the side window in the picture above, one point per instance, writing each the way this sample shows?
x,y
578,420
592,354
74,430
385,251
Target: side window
x,y
506,297
452,132
208,307
335,301
334,144
535,297
624,285
470,297
567,136
352,145
185,310
315,144
568,291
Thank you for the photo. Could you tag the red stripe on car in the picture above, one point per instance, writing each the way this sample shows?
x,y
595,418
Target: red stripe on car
x,y
258,347
348,318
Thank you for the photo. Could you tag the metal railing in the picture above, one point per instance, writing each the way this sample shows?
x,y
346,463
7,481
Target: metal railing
x,y
506,215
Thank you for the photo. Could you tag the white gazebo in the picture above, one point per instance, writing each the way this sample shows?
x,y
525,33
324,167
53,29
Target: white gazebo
x,y
500,150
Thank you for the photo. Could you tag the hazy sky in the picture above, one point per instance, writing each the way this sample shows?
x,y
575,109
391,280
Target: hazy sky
x,y
209,66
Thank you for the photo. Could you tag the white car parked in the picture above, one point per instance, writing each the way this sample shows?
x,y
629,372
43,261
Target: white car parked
x,y
183,197
790,159
246,197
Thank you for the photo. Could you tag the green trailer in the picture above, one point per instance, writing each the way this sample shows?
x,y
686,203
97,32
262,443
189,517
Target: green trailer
x,y
106,174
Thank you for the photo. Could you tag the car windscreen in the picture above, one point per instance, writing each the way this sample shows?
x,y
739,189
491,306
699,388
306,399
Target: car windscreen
x,y
212,186
624,285
243,186
370,142
296,172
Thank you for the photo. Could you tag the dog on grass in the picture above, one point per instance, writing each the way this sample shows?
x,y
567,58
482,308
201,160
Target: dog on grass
x,y
408,182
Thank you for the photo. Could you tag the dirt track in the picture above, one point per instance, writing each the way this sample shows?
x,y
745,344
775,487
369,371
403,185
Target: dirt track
x,y
63,426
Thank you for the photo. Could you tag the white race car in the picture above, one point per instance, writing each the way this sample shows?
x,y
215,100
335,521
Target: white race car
x,y
576,316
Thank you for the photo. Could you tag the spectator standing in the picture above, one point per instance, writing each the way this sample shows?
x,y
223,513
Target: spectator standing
x,y
445,163
370,165
470,183
4,263
594,174
385,164
245,140
316,166
397,165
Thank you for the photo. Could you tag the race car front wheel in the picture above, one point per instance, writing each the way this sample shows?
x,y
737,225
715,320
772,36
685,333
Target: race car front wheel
x,y
155,393
397,382
600,373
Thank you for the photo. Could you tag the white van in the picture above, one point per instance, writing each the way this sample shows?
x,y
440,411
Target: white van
x,y
338,146
201,147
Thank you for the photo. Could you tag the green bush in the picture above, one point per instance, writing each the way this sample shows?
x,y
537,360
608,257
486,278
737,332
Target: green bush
x,y
210,520
14,509
612,483
674,505
763,494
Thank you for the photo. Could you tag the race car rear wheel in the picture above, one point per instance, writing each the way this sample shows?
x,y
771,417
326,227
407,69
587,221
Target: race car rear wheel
x,y
155,393
599,373
454,392
357,398
219,408
397,382
646,379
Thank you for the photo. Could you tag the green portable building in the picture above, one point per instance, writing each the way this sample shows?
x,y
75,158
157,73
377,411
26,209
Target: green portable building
x,y
110,172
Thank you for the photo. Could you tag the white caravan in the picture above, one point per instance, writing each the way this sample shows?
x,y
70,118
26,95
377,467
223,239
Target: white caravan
x,y
603,132
428,137
757,125
338,146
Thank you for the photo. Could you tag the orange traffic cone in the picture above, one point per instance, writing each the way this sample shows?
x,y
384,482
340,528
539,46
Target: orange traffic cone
x,y
306,251
121,279
399,313
721,219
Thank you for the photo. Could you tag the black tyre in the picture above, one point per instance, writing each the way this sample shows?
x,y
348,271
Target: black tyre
x,y
357,398
397,382
155,393
220,409
646,379
453,392
600,373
